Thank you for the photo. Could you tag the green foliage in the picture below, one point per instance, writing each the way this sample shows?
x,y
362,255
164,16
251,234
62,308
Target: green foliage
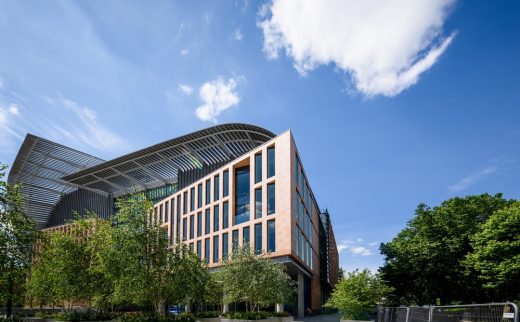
x,y
496,253
17,233
208,314
425,262
255,280
138,317
357,294
256,315
77,316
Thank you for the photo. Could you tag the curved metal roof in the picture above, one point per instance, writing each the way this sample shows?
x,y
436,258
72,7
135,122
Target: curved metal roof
x,y
160,164
48,170
38,168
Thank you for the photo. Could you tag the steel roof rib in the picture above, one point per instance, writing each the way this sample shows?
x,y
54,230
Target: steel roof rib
x,y
48,170
38,168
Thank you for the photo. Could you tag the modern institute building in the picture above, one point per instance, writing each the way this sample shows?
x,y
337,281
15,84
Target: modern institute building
x,y
227,185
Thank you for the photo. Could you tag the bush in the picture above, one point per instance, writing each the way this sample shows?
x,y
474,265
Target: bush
x,y
76,316
14,318
259,315
139,316
209,314
281,314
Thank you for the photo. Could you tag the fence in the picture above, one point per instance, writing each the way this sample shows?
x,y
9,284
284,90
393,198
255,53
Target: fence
x,y
491,312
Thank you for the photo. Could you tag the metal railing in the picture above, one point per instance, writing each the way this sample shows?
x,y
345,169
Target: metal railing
x,y
490,312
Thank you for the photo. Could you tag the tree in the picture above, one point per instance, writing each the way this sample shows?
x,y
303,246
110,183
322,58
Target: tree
x,y
16,240
255,280
356,295
496,253
425,261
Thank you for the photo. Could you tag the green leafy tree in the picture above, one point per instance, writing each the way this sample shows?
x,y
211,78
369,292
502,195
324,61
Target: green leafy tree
x,y
17,233
255,280
425,262
356,295
496,253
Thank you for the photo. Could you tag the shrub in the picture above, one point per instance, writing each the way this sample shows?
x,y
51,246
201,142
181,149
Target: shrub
x,y
139,316
209,314
281,314
257,315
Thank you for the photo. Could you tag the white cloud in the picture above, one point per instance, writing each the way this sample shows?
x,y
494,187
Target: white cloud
x,y
494,166
237,35
9,121
383,45
186,89
218,96
88,130
185,51
353,247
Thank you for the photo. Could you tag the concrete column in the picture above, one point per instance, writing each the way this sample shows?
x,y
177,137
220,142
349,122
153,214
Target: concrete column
x,y
301,300
225,308
279,308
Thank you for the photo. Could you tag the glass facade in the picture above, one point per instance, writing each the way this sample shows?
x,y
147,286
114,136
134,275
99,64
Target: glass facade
x,y
258,203
207,222
206,249
199,224
271,236
166,211
185,203
258,167
242,195
225,183
178,216
208,191
271,203
192,199
225,246
258,238
246,236
234,240
216,216
184,228
215,249
192,226
199,195
216,188
225,215
199,248
161,214
270,162
172,226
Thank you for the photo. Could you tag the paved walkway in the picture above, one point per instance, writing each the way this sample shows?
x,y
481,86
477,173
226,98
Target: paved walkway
x,y
321,318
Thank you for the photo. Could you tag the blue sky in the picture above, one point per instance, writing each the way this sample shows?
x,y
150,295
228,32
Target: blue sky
x,y
391,103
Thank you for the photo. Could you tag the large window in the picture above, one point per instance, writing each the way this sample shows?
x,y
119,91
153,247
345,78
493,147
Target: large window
x,y
216,216
297,239
184,228
161,213
271,203
242,201
207,221
270,162
258,238
234,241
199,195
185,203
199,248
225,246
206,249
216,188
172,226
178,216
199,224
258,203
208,191
192,226
225,215
192,199
271,236
225,184
258,167
166,211
215,249
246,236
